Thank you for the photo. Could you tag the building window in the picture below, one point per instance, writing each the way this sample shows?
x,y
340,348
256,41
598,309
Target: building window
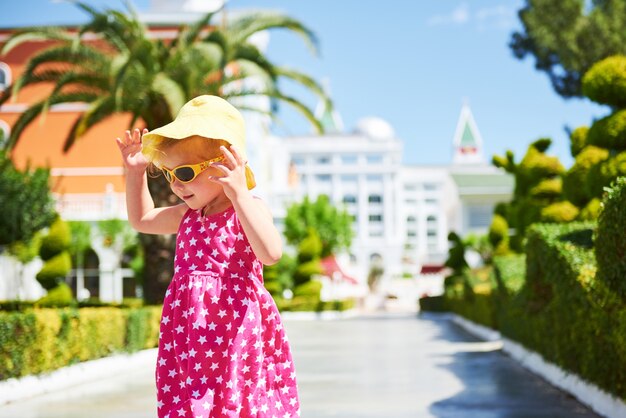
x,y
430,186
411,233
375,178
374,159
5,76
349,198
349,159
323,160
411,220
375,198
431,201
323,178
298,161
480,216
376,218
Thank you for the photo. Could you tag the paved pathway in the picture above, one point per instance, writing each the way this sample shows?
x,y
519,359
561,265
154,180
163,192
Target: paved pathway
x,y
388,366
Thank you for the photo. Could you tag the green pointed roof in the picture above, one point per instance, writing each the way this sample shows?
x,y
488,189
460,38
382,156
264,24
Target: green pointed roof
x,y
467,138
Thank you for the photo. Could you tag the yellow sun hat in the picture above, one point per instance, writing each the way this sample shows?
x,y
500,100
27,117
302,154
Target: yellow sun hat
x,y
207,116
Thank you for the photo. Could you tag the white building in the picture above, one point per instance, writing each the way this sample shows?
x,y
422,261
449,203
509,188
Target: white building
x,y
402,214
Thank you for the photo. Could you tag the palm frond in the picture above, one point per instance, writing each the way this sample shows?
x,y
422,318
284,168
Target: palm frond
x,y
306,81
97,111
171,91
188,35
35,110
35,34
244,26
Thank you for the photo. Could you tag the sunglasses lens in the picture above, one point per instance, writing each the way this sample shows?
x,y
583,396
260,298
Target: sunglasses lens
x,y
184,174
167,175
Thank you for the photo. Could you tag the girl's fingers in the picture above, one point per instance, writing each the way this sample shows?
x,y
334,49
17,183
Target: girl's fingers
x,y
235,151
229,156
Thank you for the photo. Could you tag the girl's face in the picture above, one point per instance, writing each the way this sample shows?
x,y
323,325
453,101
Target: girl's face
x,y
201,191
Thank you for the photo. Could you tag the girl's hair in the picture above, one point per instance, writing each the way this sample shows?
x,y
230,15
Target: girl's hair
x,y
198,146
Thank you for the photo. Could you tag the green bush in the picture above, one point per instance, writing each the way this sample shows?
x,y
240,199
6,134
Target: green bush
x,y
609,132
433,304
547,189
499,235
54,270
59,296
57,240
578,140
575,179
559,212
310,289
605,82
603,174
41,340
591,211
610,239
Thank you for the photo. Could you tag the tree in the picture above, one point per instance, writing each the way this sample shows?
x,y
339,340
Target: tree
x,y
567,37
26,202
127,71
333,225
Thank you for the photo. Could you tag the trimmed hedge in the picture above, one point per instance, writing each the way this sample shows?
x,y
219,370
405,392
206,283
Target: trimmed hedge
x,y
553,302
605,82
41,340
610,243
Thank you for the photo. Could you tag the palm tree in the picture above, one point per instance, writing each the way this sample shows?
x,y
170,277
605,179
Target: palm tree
x,y
124,70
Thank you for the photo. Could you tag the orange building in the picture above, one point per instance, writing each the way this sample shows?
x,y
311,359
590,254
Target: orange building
x,y
88,180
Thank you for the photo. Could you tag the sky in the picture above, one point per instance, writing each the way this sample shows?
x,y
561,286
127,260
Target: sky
x,y
411,63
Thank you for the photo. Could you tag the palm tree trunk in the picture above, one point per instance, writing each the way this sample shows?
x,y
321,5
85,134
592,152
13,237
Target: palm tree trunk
x,y
158,250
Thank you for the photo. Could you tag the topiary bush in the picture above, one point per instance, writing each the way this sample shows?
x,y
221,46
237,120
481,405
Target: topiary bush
x,y
591,211
575,179
499,235
605,82
55,252
610,238
609,132
559,212
604,173
57,297
578,140
547,189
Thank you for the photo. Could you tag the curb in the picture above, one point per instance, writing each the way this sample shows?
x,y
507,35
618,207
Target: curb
x,y
587,393
16,389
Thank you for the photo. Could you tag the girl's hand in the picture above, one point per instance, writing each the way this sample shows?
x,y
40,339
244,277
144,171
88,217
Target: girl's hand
x,y
234,168
130,147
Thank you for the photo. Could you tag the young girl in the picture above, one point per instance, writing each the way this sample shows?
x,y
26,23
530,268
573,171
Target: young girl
x,y
223,351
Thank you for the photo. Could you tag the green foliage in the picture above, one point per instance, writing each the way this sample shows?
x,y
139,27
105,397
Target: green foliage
x,y
605,82
578,140
42,340
279,276
575,179
456,254
535,167
537,186
567,37
559,212
26,252
609,132
56,241
310,289
59,296
499,235
333,225
610,239
113,230
591,211
81,240
27,205
54,270
433,304
603,174
547,189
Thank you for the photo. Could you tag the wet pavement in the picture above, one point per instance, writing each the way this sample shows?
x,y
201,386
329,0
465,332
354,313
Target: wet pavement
x,y
384,365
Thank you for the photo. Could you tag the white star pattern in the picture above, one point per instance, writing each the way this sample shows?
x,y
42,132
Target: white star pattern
x,y
217,344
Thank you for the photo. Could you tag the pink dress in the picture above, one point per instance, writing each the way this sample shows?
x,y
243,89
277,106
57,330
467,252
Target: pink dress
x,y
223,351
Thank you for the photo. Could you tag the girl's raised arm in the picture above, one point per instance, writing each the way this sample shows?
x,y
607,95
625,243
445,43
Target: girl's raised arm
x,y
142,215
